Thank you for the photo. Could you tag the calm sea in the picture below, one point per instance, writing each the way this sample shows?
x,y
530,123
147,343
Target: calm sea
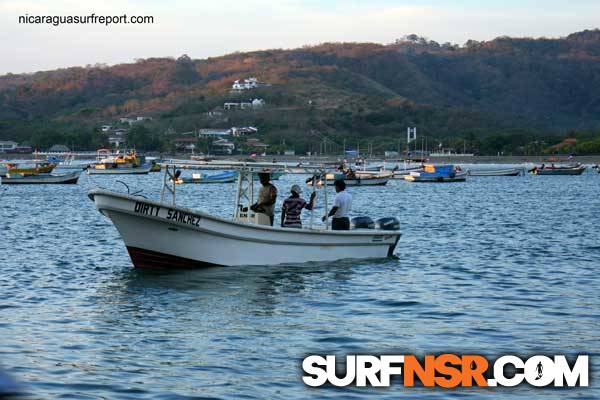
x,y
495,265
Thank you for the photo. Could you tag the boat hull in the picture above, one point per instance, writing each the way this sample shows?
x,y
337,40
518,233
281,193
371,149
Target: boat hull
x,y
363,182
165,236
119,171
227,177
498,172
401,173
460,177
559,171
57,179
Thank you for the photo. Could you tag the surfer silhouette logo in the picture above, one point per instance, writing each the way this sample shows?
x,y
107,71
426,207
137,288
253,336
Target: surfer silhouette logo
x,y
539,370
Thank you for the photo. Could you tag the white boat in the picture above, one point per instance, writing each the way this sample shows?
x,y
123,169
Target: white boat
x,y
3,170
223,177
400,174
497,172
162,234
141,170
358,178
119,164
437,173
23,179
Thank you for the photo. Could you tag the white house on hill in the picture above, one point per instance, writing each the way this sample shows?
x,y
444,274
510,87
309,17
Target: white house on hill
x,y
247,130
246,84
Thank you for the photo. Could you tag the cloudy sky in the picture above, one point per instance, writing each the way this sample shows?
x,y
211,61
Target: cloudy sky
x,y
203,28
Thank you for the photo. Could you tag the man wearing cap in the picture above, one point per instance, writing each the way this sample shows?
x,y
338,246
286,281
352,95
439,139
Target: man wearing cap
x,y
292,208
267,196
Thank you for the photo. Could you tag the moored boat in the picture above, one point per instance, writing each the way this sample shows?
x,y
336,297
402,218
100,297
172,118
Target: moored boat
x,y
23,179
358,179
162,234
224,177
437,173
29,168
108,164
496,172
573,169
400,173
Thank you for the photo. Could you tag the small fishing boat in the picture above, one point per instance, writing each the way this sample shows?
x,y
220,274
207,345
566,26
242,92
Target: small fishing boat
x,y
29,168
164,235
437,173
107,164
496,172
358,179
23,179
224,177
571,169
67,163
400,173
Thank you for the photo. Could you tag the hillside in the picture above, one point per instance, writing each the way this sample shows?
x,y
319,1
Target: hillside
x,y
518,88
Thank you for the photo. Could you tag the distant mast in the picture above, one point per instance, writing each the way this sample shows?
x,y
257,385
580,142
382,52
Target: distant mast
x,y
411,134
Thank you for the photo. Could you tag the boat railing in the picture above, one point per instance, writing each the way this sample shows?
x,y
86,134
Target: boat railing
x,y
170,183
244,196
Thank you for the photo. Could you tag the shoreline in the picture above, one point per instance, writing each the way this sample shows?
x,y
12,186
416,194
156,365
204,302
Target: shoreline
x,y
587,159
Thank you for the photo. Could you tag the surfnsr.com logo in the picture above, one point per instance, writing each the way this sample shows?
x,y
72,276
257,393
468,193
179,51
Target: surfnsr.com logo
x,y
446,371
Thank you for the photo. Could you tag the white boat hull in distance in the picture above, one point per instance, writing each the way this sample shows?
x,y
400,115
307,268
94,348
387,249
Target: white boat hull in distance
x,y
497,172
119,171
160,235
363,181
41,179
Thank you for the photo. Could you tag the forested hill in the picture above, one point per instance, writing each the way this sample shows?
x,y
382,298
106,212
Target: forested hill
x,y
337,89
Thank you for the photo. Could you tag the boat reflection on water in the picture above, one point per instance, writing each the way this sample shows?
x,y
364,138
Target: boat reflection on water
x,y
210,294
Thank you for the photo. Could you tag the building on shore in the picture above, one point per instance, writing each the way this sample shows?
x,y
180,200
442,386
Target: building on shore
x,y
223,146
213,133
8,146
243,131
185,143
243,105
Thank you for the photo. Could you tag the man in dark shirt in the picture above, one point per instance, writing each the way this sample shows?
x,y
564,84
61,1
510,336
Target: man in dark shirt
x,y
292,208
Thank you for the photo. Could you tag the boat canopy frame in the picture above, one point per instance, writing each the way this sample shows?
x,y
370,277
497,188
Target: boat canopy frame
x,y
244,196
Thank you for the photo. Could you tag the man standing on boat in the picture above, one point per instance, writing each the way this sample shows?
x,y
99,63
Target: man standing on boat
x,y
292,208
267,196
341,208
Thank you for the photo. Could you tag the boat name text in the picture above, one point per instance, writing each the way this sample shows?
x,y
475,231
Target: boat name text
x,y
172,215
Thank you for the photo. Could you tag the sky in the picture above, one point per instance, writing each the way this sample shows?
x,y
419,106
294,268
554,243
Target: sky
x,y
203,29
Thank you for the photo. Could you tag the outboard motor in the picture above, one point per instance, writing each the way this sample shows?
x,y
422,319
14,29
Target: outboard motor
x,y
362,223
388,224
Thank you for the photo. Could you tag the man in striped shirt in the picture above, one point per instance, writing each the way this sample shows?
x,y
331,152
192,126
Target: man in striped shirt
x,y
292,208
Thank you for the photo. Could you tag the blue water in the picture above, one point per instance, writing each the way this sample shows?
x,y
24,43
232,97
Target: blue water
x,y
495,265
